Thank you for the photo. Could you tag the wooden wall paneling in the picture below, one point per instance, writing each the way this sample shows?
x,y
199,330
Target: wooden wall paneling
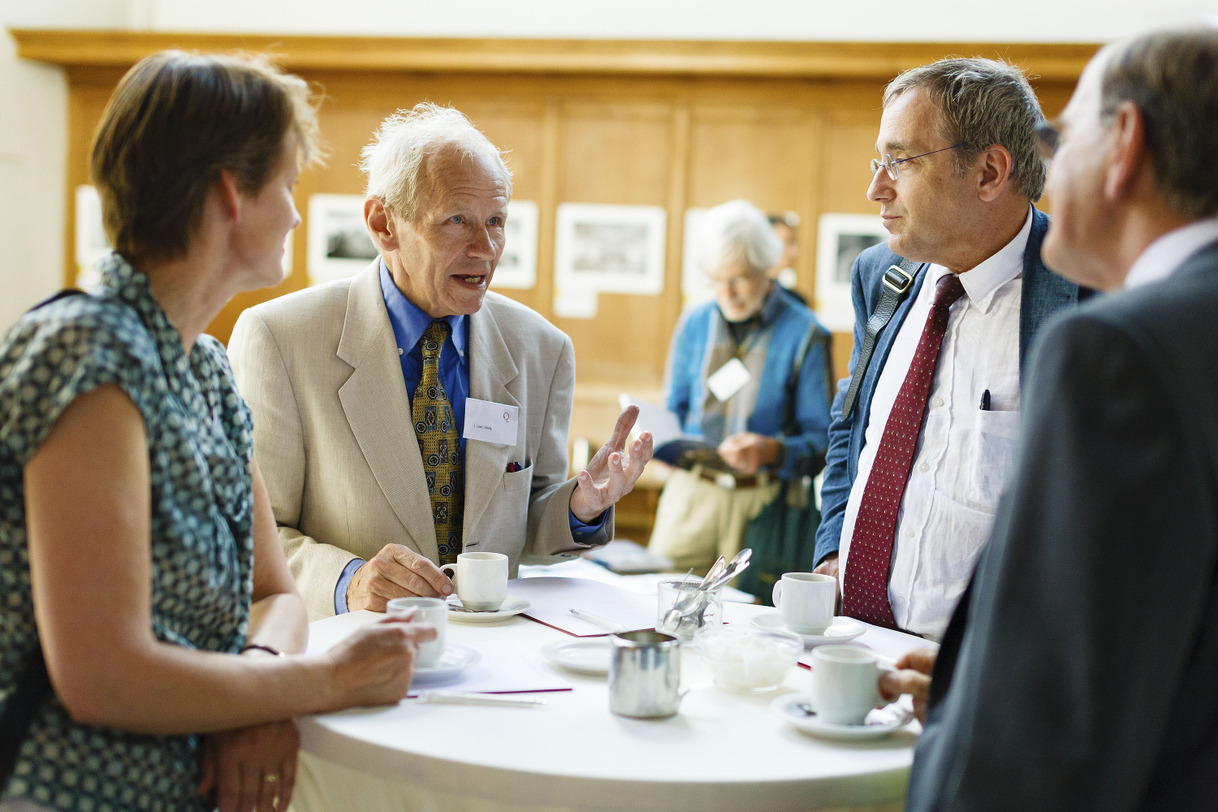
x,y
618,152
679,197
748,153
805,163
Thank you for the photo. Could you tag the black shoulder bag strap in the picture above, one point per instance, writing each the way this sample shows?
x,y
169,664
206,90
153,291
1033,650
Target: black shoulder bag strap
x,y
34,685
898,279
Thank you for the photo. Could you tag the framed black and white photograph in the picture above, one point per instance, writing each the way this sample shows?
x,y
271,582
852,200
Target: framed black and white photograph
x,y
338,241
840,238
610,249
517,266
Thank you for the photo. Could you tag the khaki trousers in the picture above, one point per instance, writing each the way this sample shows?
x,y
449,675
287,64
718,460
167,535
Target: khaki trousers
x,y
698,521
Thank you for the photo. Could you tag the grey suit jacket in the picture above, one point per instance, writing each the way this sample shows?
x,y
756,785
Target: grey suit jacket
x,y
1043,294
1084,676
335,441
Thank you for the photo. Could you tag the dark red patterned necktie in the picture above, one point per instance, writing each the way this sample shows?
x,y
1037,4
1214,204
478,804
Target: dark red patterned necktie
x,y
865,582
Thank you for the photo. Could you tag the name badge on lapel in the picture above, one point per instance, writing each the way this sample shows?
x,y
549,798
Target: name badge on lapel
x,y
491,422
728,380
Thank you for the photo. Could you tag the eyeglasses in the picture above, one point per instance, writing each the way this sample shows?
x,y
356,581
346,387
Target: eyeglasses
x,y
890,166
1048,139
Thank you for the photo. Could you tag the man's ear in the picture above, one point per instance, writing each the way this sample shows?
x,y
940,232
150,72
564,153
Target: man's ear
x,y
1129,156
994,165
229,194
381,226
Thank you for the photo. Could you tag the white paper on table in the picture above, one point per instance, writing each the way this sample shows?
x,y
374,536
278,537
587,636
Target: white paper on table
x,y
505,668
643,583
889,644
551,599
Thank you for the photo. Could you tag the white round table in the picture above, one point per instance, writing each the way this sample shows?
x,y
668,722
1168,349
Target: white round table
x,y
722,751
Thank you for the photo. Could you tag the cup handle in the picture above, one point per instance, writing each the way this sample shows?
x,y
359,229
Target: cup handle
x,y
445,569
777,593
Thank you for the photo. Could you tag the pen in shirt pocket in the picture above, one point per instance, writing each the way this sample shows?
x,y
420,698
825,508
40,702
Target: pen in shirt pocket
x,y
985,401
513,467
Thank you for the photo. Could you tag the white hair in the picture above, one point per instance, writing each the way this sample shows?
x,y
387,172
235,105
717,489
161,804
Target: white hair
x,y
737,231
395,161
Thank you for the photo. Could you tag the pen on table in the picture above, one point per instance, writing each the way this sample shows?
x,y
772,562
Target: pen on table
x,y
985,401
470,698
597,620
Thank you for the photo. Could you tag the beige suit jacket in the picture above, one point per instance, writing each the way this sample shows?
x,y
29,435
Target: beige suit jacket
x,y
335,440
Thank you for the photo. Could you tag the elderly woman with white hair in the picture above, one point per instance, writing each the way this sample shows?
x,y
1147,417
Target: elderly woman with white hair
x,y
749,373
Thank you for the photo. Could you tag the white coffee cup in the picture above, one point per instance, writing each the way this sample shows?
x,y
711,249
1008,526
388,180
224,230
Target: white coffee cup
x,y
481,580
806,601
433,611
845,683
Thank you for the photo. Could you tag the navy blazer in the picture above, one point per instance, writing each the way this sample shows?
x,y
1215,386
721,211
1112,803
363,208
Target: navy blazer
x,y
1078,671
1044,293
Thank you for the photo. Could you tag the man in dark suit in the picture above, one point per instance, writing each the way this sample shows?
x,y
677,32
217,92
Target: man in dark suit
x,y
1079,672
956,177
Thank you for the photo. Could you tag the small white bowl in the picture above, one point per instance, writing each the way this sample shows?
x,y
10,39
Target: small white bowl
x,y
745,660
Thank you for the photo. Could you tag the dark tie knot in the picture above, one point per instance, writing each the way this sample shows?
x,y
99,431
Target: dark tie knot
x,y
948,289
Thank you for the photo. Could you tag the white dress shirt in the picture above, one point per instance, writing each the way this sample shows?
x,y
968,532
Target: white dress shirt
x,y
964,453
1163,256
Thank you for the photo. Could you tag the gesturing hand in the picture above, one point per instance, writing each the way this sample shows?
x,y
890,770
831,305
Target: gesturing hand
x,y
611,473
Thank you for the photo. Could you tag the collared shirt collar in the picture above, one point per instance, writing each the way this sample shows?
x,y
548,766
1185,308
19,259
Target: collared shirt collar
x,y
983,280
409,321
1163,256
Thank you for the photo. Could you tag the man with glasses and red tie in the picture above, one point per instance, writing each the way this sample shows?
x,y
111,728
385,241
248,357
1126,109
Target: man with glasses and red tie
x,y
923,431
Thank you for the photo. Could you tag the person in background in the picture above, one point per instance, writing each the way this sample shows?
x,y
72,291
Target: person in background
x,y
407,414
1079,671
784,271
139,552
746,372
916,465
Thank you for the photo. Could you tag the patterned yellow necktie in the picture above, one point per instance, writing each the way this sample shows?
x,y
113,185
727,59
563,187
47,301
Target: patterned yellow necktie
x,y
440,446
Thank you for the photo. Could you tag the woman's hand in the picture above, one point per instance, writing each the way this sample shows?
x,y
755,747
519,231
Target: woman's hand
x,y
252,768
374,666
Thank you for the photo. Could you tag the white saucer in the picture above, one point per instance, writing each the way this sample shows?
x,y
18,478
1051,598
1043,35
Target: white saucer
x,y
459,614
588,655
879,723
839,631
453,661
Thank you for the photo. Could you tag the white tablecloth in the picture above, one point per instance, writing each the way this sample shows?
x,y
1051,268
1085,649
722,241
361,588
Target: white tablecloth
x,y
722,751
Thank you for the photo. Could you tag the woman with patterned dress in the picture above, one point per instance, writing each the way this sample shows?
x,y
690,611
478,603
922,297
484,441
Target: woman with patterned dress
x,y
137,545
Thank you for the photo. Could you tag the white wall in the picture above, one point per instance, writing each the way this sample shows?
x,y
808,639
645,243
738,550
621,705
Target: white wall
x,y
33,97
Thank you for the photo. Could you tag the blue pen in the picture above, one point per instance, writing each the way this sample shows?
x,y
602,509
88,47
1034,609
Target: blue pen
x,y
985,401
